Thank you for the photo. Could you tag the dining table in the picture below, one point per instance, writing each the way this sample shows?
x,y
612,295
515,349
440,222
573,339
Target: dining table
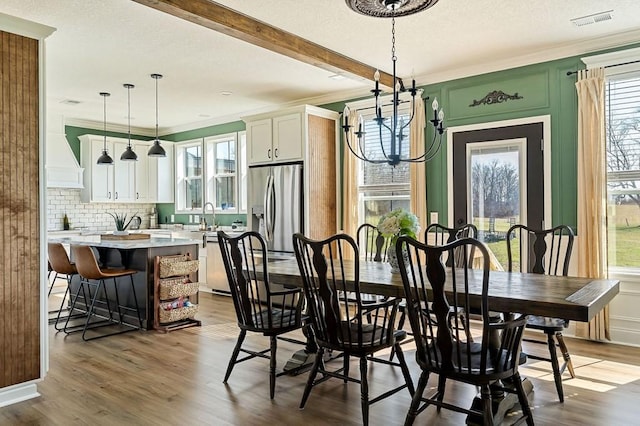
x,y
570,298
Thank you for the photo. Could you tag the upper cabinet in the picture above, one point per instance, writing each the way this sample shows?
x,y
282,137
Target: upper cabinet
x,y
275,139
309,135
147,180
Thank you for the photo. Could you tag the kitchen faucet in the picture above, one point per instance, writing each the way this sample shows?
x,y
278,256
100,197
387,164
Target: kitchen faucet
x,y
213,214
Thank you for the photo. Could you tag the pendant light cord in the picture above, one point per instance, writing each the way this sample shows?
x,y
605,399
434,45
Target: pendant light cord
x,y
156,78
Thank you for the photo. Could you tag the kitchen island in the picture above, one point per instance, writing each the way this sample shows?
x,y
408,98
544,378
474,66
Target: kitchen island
x,y
134,254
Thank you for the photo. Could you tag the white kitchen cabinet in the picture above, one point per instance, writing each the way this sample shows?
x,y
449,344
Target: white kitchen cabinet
x,y
98,185
275,139
142,174
148,180
162,176
124,185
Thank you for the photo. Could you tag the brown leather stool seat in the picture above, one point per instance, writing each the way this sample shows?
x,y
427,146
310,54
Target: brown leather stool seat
x,y
59,264
92,276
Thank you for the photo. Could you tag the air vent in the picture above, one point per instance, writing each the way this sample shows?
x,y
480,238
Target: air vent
x,y
592,19
71,102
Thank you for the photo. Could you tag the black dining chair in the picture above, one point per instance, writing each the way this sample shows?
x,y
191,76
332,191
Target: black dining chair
x,y
548,252
442,347
372,247
341,323
439,235
259,307
371,244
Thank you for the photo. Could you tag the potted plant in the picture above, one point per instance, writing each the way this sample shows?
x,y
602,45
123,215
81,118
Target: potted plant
x,y
121,222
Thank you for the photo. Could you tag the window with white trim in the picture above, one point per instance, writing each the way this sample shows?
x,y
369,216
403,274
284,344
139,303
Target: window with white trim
x,y
623,169
226,174
189,163
381,187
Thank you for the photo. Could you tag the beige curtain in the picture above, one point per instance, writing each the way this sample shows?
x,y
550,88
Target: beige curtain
x,y
418,170
350,182
592,193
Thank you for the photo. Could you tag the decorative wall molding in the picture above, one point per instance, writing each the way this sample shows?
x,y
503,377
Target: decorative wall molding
x,y
495,97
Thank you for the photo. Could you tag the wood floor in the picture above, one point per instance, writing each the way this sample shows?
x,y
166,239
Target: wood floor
x,y
145,378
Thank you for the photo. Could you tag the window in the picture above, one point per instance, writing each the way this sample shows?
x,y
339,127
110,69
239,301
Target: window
x,y
226,175
189,163
381,187
623,168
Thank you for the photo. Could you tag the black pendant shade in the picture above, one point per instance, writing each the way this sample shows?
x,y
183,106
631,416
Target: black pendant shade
x,y
128,154
105,159
156,149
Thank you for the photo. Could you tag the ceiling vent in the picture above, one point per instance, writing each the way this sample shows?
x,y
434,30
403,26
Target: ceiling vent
x,y
71,102
592,19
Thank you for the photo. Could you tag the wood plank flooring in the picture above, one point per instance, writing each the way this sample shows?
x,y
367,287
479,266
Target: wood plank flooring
x,y
144,378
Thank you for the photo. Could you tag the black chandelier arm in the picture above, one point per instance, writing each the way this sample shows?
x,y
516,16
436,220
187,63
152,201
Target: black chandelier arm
x,y
361,156
431,152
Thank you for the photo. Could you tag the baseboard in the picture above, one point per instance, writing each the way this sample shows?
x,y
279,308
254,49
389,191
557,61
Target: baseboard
x,y
18,393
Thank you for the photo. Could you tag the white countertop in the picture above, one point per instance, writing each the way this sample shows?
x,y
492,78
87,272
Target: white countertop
x,y
95,241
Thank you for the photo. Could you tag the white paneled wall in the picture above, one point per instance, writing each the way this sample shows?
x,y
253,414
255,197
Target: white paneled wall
x,y
92,216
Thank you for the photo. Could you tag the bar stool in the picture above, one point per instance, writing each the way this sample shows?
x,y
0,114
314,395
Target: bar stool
x,y
92,276
59,264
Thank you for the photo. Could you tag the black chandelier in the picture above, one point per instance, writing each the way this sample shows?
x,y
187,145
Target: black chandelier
x,y
395,125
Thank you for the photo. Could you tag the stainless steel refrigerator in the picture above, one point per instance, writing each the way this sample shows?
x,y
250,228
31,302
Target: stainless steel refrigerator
x,y
276,203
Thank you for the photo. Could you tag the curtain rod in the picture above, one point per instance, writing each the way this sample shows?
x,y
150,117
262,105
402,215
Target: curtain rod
x,y
608,66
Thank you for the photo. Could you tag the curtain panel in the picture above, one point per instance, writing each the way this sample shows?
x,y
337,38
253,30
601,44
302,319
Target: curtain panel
x,y
417,171
592,191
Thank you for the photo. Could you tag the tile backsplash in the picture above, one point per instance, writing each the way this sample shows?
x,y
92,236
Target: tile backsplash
x,y
92,216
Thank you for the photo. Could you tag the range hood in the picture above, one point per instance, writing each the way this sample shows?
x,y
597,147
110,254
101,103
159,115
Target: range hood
x,y
61,166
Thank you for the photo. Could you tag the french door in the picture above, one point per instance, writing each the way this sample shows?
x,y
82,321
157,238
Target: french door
x,y
497,178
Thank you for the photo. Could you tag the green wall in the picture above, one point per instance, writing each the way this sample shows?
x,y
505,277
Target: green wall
x,y
545,89
74,133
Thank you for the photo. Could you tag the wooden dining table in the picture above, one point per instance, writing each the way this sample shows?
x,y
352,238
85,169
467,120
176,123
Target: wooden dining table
x,y
571,298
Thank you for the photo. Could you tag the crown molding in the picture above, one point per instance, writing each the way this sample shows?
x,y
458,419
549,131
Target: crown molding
x,y
99,126
22,27
543,55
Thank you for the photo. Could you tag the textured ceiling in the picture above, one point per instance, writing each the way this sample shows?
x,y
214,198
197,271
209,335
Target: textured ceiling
x,y
99,45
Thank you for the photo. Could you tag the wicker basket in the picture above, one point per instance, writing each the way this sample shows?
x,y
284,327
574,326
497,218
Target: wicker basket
x,y
170,268
177,314
176,287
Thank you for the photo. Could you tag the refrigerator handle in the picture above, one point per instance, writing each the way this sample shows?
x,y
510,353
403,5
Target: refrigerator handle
x,y
272,208
267,209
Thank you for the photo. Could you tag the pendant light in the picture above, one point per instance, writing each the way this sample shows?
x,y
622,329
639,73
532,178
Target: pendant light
x,y
156,149
128,154
105,158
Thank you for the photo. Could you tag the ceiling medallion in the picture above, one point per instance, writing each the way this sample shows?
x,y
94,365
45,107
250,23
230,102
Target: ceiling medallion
x,y
389,8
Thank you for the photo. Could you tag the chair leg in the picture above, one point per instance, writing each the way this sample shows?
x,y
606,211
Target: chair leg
x,y
55,277
345,367
557,376
487,412
565,354
522,398
234,355
364,390
404,368
74,300
312,376
417,397
272,366
442,382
